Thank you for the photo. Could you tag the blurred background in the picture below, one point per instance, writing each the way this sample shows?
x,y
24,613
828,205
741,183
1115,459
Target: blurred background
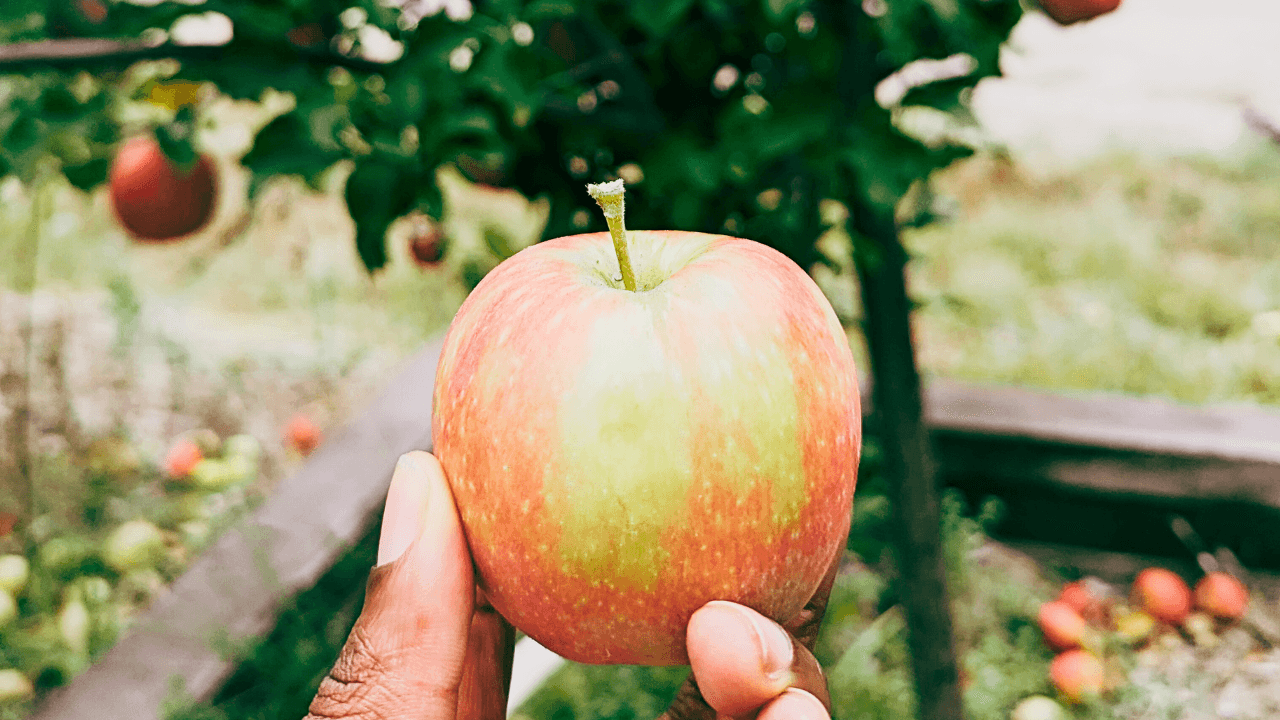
x,y
224,225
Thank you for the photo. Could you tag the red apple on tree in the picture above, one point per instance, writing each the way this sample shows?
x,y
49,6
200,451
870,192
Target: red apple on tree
x,y
635,428
156,198
1067,12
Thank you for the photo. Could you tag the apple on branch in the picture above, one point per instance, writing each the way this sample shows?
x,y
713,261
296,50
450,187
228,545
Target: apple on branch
x,y
637,423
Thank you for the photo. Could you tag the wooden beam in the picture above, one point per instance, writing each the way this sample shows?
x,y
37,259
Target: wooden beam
x,y
100,53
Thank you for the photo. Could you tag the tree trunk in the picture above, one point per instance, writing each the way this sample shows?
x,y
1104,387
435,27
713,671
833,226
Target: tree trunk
x,y
908,465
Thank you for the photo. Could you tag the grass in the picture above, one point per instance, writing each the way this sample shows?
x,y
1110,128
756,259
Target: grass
x,y
1130,276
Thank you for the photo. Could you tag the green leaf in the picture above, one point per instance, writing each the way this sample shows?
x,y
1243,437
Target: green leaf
x,y
658,17
287,146
378,192
87,176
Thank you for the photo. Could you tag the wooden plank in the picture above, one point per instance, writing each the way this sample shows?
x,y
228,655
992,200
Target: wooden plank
x,y
236,587
1107,444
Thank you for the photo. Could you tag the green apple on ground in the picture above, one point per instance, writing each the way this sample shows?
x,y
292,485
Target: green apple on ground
x,y
14,687
134,545
8,608
14,571
1038,707
635,424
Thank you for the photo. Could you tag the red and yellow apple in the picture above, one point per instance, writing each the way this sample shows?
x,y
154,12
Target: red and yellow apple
x,y
155,199
1163,595
621,457
1222,596
1067,12
1077,674
1063,627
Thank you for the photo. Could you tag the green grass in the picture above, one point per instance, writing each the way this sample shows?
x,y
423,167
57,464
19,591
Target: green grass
x,y
1129,276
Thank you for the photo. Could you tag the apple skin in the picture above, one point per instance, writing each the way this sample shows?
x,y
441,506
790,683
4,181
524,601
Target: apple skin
x,y
621,458
1067,12
155,200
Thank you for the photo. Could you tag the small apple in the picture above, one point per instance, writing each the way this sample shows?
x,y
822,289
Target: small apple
x,y
1062,626
243,446
1163,595
634,424
1038,707
74,623
183,457
14,571
156,200
302,434
1067,12
8,608
427,247
1222,596
133,545
1077,674
15,687
1134,626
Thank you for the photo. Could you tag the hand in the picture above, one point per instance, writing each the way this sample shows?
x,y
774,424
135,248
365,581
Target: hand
x,y
427,646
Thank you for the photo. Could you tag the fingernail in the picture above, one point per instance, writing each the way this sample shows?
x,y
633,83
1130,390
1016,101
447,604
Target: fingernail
x,y
776,651
801,705
406,510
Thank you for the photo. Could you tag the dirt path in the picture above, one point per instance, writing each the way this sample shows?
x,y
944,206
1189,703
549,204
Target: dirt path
x,y
1156,76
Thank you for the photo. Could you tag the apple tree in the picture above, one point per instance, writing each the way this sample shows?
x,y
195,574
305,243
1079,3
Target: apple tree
x,y
746,117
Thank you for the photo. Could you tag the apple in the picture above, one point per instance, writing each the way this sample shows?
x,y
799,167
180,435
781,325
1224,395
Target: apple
x,y
8,608
134,545
1163,595
635,424
1067,12
1078,674
1038,707
427,247
15,687
302,434
1062,626
183,457
1222,596
156,200
14,572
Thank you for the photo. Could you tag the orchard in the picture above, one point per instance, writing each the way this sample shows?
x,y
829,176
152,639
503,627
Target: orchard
x,y
748,135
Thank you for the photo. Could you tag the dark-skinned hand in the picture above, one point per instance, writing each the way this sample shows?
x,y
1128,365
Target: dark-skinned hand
x,y
427,646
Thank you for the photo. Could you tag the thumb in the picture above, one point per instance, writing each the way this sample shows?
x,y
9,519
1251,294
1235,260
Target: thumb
x,y
404,656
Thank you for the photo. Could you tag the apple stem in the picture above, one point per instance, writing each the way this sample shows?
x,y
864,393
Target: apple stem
x,y
610,197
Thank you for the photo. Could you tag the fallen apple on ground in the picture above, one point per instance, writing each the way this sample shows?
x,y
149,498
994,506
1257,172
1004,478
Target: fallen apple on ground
x,y
1063,627
1077,674
1222,596
1163,595
634,424
302,434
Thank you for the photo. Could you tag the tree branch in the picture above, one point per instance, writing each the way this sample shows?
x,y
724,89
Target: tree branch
x,y
82,53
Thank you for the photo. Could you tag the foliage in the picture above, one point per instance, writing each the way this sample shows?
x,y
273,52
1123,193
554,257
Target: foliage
x,y
734,117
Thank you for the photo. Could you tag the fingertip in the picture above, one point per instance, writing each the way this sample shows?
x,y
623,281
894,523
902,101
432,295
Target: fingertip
x,y
740,658
794,704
